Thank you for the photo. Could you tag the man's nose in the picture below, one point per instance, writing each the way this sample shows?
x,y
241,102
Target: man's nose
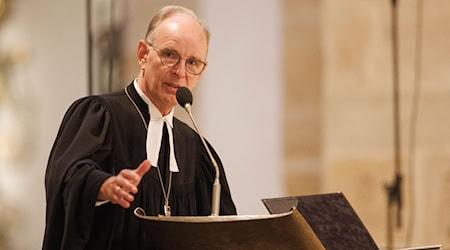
x,y
180,69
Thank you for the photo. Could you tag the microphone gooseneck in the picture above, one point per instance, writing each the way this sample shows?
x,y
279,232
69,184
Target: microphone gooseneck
x,y
184,98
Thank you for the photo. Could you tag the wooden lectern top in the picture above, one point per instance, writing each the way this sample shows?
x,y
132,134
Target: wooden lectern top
x,y
277,231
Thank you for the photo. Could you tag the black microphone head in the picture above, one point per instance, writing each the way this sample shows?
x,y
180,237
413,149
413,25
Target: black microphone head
x,y
184,96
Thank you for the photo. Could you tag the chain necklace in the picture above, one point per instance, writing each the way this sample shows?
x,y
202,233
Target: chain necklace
x,y
166,194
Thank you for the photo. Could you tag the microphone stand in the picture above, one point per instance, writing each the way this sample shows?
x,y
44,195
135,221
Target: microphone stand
x,y
215,206
393,190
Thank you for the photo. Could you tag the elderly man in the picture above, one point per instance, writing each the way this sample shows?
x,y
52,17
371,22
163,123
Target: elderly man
x,y
123,150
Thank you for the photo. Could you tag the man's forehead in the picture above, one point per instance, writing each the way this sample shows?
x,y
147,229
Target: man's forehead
x,y
182,30
179,23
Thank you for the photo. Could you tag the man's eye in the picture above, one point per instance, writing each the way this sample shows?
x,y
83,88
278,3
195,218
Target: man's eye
x,y
169,54
193,62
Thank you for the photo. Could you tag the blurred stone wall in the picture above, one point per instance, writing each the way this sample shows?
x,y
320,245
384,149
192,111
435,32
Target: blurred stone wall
x,y
339,116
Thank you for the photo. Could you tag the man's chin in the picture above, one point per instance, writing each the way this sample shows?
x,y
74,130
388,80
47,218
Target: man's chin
x,y
172,101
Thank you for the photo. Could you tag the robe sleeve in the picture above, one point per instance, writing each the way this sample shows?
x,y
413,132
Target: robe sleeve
x,y
77,166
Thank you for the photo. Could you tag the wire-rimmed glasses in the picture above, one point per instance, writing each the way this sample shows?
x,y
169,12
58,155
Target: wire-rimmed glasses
x,y
171,58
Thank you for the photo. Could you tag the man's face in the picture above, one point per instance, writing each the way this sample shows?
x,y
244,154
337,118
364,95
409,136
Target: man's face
x,y
180,34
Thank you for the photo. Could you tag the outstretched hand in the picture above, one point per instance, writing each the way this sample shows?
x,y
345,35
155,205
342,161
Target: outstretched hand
x,y
120,189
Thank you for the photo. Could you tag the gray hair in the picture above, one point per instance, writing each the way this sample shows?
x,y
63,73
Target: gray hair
x,y
169,11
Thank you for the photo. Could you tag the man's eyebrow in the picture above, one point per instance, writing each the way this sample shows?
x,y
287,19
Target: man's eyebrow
x,y
176,51
169,49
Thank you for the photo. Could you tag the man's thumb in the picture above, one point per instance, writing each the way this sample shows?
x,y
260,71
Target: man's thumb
x,y
143,168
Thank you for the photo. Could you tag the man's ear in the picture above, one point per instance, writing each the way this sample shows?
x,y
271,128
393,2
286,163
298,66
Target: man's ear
x,y
142,52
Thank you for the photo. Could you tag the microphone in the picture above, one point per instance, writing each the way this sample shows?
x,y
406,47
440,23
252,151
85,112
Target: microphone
x,y
184,98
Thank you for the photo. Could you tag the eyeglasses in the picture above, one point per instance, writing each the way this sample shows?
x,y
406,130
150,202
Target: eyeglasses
x,y
171,58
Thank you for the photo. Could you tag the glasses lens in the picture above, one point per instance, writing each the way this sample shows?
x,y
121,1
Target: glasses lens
x,y
169,57
194,66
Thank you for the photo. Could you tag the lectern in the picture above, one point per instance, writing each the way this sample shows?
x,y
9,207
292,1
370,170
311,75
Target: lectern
x,y
277,231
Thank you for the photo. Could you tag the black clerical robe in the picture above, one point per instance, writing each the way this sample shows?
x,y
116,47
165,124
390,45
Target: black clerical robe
x,y
98,137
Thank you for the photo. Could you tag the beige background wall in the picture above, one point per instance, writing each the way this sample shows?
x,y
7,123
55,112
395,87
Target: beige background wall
x,y
339,102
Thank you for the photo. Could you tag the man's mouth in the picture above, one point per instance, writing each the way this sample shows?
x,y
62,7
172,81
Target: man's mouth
x,y
173,87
